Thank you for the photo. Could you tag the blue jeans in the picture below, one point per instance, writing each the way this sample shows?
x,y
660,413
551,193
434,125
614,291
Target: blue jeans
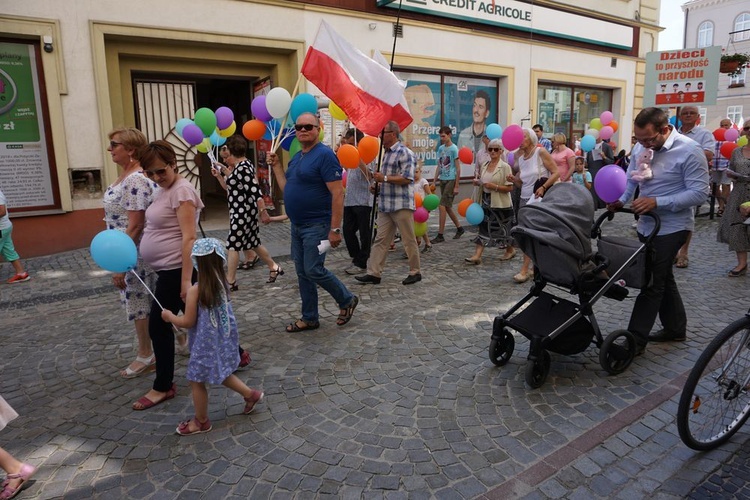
x,y
311,271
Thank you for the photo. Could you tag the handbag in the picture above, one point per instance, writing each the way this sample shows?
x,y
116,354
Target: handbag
x,y
542,179
7,413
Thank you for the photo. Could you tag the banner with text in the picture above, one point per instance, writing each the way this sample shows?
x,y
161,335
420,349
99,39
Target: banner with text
x,y
682,77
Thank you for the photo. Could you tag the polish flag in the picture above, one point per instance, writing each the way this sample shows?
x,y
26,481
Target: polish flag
x,y
367,92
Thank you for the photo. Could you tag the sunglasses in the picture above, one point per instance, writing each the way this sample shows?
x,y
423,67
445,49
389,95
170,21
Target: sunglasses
x,y
306,127
114,144
152,173
495,150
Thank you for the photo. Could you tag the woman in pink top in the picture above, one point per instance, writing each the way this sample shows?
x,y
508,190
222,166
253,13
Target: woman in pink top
x,y
166,246
564,157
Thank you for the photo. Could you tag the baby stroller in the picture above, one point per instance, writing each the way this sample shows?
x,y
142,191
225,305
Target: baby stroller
x,y
556,233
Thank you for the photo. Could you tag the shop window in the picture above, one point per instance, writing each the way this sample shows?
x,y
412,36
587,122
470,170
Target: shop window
x,y
569,110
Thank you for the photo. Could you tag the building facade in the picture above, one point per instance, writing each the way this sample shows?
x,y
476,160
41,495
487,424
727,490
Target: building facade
x,y
94,66
725,23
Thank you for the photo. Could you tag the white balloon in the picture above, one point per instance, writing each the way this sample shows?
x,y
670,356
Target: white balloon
x,y
278,102
593,132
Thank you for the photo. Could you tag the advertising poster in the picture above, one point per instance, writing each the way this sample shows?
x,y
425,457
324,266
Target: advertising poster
x,y
423,96
25,172
682,77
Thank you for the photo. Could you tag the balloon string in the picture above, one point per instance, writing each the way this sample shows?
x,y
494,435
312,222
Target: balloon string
x,y
148,289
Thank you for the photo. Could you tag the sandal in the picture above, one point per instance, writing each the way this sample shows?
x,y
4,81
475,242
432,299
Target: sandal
x,y
24,475
249,264
275,273
472,260
146,403
184,428
345,316
508,256
149,364
295,327
233,286
681,262
252,401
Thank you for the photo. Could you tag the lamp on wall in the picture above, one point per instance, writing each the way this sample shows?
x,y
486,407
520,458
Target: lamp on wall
x,y
47,40
372,26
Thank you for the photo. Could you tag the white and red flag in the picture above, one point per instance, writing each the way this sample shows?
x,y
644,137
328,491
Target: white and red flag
x,y
367,92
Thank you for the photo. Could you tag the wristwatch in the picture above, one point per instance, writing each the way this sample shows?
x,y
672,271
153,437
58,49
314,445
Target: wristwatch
x,y
385,179
336,230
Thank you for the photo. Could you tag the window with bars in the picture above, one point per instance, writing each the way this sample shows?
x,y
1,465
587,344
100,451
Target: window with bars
x,y
742,27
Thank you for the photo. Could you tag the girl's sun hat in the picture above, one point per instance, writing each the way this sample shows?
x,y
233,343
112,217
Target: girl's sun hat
x,y
206,246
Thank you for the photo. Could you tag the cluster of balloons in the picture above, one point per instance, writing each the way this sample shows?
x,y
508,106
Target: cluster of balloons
x,y
731,138
471,210
603,127
207,128
114,251
422,213
367,150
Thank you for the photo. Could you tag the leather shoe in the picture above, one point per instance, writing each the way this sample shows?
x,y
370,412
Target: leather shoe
x,y
368,278
411,279
665,336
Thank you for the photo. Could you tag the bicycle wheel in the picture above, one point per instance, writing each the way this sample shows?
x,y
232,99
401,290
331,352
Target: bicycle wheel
x,y
715,401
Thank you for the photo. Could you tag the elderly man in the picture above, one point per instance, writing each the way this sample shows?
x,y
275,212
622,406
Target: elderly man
x,y
689,116
314,199
395,208
679,182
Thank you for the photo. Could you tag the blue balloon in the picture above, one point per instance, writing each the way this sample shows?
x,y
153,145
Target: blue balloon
x,y
287,143
474,214
273,128
181,124
494,131
303,103
216,139
114,251
588,142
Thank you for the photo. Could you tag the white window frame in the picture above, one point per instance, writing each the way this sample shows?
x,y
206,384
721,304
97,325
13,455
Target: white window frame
x,y
734,113
742,22
739,79
705,34
703,113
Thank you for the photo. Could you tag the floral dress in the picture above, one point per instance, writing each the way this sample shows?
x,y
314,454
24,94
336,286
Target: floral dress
x,y
214,344
731,229
243,192
135,192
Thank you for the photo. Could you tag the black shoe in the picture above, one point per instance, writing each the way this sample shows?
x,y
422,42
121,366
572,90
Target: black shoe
x,y
664,336
368,278
459,232
438,239
640,349
411,279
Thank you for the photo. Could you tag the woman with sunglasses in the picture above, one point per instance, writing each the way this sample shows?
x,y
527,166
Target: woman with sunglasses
x,y
167,243
496,189
125,204
731,228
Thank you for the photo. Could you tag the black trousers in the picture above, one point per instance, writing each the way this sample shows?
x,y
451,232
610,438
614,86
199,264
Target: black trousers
x,y
167,293
357,220
662,297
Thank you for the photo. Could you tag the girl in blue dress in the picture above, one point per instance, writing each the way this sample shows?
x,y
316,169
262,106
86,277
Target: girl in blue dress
x,y
213,337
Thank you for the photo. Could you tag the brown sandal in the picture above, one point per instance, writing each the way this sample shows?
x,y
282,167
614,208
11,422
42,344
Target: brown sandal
x,y
295,327
345,316
275,273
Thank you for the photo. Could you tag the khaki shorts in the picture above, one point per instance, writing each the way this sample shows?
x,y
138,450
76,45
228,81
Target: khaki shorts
x,y
446,193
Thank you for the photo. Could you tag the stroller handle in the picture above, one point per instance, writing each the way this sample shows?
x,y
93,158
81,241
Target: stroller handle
x,y
596,230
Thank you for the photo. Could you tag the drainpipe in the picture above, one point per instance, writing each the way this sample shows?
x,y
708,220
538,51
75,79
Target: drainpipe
x,y
684,28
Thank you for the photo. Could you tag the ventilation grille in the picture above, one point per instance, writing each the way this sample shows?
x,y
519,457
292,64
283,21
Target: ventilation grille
x,y
398,30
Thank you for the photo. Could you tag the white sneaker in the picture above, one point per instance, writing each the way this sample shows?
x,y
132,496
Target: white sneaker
x,y
352,270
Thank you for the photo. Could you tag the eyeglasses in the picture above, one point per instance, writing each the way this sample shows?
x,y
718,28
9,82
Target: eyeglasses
x,y
650,140
493,150
306,127
114,144
151,173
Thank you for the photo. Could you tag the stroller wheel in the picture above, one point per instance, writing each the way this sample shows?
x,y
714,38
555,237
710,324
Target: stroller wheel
x,y
537,370
617,351
501,349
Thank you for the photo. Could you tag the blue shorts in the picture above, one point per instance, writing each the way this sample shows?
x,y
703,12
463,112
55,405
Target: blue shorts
x,y
7,250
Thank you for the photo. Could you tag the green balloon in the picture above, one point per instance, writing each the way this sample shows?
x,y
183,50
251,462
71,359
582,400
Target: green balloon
x,y
431,202
294,148
206,121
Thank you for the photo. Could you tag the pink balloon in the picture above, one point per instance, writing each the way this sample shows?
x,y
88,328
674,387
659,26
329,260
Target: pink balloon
x,y
610,182
606,117
512,137
606,132
421,214
731,135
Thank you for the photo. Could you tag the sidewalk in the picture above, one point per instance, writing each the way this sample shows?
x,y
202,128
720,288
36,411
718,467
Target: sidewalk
x,y
401,402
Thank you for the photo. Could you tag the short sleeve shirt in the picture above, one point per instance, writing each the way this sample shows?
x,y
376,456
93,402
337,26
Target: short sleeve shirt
x,y
306,194
447,162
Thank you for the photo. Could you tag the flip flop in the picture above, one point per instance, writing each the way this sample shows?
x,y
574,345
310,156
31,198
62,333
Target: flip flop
x,y
147,403
348,312
294,327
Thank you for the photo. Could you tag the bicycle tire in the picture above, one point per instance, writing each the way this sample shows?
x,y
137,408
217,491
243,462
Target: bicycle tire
x,y
714,405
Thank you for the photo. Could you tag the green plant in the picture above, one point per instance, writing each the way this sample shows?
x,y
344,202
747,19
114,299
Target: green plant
x,y
742,59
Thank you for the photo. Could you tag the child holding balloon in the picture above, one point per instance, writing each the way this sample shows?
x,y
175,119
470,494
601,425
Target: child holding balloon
x,y
214,341
420,185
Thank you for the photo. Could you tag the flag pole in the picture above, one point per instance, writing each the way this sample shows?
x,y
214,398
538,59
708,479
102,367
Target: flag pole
x,y
380,151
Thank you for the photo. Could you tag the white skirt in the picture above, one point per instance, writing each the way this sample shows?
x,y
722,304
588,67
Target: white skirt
x,y
7,413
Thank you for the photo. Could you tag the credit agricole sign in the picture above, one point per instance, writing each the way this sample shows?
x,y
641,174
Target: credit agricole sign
x,y
524,17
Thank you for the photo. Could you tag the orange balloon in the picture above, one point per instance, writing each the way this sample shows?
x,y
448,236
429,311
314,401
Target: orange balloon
x,y
348,156
368,148
254,130
418,200
614,125
463,206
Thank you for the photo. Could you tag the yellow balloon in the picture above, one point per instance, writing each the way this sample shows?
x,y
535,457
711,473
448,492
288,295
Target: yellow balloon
x,y
204,146
229,131
596,123
742,141
336,112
